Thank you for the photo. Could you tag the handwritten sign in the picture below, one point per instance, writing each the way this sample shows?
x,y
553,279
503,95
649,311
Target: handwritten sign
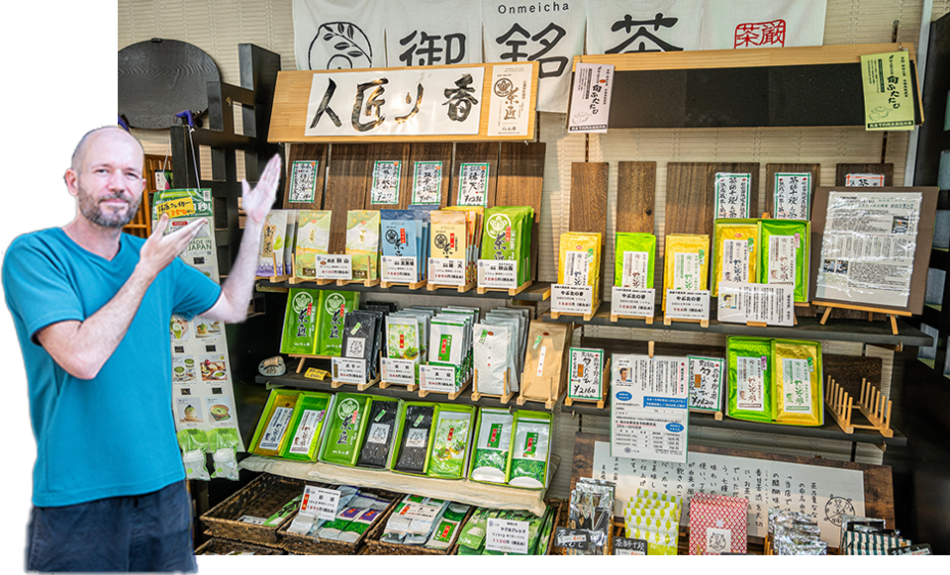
x,y
473,185
627,546
586,375
704,380
176,208
303,182
385,188
732,195
314,373
791,196
427,184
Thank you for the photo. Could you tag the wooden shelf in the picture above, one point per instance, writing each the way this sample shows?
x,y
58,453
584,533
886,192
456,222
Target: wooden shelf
x,y
297,380
877,332
829,430
538,291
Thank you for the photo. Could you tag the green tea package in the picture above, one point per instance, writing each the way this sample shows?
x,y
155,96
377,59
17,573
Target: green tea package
x,y
362,242
345,428
447,341
507,236
402,337
491,352
748,360
492,444
313,239
447,529
797,382
332,309
634,258
453,425
784,254
415,438
306,426
299,335
530,449
271,257
378,439
271,432
473,532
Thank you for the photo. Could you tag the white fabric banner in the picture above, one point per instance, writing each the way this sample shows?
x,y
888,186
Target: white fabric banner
x,y
433,32
548,32
621,26
737,24
339,34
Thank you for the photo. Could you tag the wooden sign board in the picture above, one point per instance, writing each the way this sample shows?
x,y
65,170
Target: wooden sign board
x,y
292,97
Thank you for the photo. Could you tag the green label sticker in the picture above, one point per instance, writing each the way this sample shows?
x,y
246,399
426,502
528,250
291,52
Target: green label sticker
x,y
380,415
418,421
494,435
356,328
537,342
530,444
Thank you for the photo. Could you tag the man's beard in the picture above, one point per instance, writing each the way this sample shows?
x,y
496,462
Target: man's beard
x,y
89,206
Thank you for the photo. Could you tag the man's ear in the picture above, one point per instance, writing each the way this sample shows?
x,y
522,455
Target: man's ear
x,y
72,181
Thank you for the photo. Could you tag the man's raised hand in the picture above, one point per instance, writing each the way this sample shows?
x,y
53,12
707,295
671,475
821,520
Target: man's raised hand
x,y
258,201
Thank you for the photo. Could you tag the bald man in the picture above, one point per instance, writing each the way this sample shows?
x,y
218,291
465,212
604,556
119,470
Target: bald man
x,y
91,307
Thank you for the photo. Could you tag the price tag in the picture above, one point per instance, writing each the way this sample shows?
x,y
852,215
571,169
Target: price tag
x,y
334,267
626,546
447,271
572,299
632,302
772,304
572,538
349,370
401,371
437,378
501,274
314,373
320,503
685,304
507,536
399,269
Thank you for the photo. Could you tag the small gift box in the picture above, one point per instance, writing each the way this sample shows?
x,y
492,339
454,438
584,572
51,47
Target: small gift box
x,y
717,524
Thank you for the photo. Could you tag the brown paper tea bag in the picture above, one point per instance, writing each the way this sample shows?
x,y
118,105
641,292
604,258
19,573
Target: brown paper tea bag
x,y
545,372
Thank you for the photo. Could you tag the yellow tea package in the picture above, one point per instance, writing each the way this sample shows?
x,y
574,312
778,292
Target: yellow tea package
x,y
579,260
735,253
796,376
271,433
685,262
449,234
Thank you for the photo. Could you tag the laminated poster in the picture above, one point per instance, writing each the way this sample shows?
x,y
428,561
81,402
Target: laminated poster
x,y
791,196
303,182
732,195
868,246
649,410
201,370
385,189
427,183
473,185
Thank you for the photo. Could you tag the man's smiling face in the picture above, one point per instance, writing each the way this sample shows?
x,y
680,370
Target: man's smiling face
x,y
108,178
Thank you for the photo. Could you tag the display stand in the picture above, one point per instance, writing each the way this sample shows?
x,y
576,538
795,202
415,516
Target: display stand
x,y
365,282
452,395
359,386
387,384
304,358
476,395
892,314
460,289
412,286
647,319
586,316
872,404
274,279
511,291
605,390
702,322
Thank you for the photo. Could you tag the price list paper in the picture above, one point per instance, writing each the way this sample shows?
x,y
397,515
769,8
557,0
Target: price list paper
x,y
349,370
686,304
437,378
401,371
399,269
649,412
499,274
334,267
633,302
825,493
772,304
507,536
447,271
572,299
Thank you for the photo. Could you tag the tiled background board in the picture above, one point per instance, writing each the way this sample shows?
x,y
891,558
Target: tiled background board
x,y
636,192
842,171
348,184
772,169
305,152
477,153
386,152
429,152
690,197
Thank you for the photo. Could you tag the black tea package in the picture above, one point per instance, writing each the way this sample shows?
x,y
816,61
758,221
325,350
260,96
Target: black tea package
x,y
360,331
414,445
379,434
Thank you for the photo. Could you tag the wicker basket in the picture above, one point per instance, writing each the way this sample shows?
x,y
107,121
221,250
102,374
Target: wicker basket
x,y
260,498
297,544
227,547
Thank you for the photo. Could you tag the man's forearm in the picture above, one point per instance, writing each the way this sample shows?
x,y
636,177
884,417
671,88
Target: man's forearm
x,y
239,286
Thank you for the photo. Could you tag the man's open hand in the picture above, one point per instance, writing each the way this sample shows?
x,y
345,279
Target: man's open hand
x,y
258,201
160,249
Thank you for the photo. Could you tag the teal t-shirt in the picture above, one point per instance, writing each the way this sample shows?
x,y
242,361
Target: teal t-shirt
x,y
113,435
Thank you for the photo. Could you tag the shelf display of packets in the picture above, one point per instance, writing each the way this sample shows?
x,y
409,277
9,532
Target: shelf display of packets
x,y
362,243
454,235
360,430
578,261
473,537
735,252
450,342
357,512
433,439
405,234
793,533
516,322
685,263
291,424
774,381
634,260
314,321
425,521
313,239
474,219
507,237
654,517
512,449
277,240
362,335
785,258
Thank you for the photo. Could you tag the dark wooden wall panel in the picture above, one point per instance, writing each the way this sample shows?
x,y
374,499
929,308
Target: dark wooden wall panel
x,y
347,188
636,192
519,183
589,197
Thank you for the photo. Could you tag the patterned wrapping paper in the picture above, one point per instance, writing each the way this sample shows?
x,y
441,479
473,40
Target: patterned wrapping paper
x,y
718,524
856,543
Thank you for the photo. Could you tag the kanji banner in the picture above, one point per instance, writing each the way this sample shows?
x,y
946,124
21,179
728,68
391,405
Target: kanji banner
x,y
432,32
756,24
621,26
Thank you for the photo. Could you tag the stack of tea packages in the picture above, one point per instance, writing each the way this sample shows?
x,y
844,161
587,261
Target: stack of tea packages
x,y
472,540
426,522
